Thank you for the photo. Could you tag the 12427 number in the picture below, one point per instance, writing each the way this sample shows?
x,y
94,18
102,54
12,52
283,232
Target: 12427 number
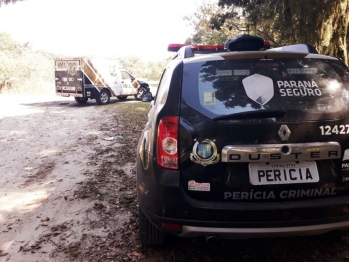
x,y
329,130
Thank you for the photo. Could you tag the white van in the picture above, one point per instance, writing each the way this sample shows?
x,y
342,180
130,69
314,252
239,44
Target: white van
x,y
96,79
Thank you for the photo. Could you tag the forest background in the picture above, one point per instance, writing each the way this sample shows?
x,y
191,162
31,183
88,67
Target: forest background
x,y
321,23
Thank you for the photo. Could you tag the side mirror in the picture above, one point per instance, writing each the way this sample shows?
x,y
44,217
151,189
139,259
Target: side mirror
x,y
147,97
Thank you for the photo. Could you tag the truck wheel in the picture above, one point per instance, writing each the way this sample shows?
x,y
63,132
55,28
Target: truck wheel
x,y
81,100
149,234
122,98
103,98
140,93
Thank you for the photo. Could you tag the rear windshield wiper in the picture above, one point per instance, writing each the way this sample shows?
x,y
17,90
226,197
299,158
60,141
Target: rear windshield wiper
x,y
253,114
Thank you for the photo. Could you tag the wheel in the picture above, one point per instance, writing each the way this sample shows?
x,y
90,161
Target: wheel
x,y
149,234
103,98
140,93
122,98
81,100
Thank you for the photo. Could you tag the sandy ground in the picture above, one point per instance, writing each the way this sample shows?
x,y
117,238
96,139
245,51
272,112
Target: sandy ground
x,y
45,149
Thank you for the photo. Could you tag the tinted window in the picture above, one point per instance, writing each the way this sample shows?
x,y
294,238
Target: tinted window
x,y
162,91
317,88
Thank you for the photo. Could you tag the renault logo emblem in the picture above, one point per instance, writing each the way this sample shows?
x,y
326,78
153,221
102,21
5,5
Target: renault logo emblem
x,y
284,132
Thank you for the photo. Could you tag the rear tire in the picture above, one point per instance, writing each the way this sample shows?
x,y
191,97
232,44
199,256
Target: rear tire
x,y
122,98
103,98
149,234
140,93
81,100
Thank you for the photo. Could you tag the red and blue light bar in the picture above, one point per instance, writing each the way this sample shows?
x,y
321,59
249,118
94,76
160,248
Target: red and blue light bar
x,y
240,43
197,48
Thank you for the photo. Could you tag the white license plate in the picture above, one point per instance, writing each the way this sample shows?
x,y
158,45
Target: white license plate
x,y
69,88
283,173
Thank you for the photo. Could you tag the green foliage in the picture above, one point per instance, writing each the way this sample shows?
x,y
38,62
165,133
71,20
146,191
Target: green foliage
x,y
205,23
322,23
24,70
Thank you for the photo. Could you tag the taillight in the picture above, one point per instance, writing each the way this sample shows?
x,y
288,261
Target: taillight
x,y
167,154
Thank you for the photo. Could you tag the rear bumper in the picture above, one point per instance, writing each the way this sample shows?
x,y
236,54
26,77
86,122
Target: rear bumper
x,y
247,229
243,233
247,220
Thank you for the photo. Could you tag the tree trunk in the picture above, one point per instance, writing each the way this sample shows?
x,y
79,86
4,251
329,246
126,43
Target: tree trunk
x,y
334,31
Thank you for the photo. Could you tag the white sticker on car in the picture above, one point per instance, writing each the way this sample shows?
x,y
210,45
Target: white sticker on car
x,y
195,186
209,98
259,88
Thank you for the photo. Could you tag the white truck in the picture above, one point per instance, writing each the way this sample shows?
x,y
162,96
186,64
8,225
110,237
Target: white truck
x,y
97,79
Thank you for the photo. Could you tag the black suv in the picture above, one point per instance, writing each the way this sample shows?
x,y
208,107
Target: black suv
x,y
246,142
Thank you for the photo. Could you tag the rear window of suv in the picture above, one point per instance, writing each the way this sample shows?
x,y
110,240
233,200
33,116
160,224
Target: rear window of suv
x,y
307,89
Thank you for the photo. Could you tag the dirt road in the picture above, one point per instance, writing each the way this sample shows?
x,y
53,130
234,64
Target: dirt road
x,y
47,147
67,191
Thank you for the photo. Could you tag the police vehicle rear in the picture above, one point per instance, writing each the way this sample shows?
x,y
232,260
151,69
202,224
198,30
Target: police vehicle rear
x,y
245,141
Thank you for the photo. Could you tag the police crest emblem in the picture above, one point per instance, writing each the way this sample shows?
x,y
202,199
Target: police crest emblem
x,y
205,153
